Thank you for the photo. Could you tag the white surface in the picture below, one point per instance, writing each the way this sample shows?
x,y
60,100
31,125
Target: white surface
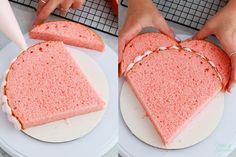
x,y
76,127
100,140
196,131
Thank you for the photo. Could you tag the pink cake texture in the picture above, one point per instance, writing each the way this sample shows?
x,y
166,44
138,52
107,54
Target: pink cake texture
x,y
44,84
213,53
174,85
147,41
70,33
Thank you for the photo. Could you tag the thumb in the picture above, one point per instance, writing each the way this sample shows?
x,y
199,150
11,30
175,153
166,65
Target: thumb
x,y
232,80
161,24
204,32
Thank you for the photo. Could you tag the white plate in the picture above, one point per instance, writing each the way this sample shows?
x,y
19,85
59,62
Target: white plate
x,y
219,144
197,130
96,143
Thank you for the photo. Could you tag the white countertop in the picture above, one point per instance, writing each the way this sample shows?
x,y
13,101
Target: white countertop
x,y
25,17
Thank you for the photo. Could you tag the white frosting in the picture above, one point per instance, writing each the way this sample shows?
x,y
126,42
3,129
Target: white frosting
x,y
137,59
148,52
5,107
12,61
15,122
162,48
174,47
129,66
211,63
187,49
199,54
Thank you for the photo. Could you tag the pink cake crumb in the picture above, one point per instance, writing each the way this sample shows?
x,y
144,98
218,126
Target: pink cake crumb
x,y
45,84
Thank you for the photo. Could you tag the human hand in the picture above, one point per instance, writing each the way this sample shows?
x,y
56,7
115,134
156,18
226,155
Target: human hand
x,y
46,7
141,14
223,26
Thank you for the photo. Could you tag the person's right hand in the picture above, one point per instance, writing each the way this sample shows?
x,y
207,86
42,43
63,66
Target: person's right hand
x,y
46,7
141,14
223,26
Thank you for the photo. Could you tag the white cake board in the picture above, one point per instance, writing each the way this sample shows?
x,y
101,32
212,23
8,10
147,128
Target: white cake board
x,y
73,128
95,144
196,131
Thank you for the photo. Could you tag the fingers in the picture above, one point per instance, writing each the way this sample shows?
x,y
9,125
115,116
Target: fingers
x,y
161,24
233,73
77,4
40,5
49,7
205,31
125,35
65,6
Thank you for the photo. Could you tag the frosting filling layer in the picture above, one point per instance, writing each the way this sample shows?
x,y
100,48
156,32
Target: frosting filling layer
x,y
5,106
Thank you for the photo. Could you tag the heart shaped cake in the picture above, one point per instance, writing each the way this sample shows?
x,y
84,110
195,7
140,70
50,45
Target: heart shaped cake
x,y
173,81
44,84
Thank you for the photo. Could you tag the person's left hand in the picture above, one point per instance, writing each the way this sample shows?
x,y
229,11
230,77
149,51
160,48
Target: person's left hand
x,y
223,26
46,7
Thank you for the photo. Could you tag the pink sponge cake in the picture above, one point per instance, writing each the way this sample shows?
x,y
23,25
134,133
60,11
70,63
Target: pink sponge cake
x,y
213,53
44,84
174,83
142,43
70,33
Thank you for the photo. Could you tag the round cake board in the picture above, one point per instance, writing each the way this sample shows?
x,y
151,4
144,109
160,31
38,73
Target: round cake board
x,y
196,131
76,127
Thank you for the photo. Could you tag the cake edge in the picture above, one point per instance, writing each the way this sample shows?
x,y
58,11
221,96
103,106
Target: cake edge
x,y
5,106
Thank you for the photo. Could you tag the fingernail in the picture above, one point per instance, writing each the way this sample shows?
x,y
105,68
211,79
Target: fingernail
x,y
177,38
173,33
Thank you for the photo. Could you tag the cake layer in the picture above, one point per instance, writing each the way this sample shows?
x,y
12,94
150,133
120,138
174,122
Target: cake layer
x,y
142,43
70,33
213,53
44,84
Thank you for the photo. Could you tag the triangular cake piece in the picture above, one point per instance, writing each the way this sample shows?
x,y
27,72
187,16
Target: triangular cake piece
x,y
70,33
44,84
174,83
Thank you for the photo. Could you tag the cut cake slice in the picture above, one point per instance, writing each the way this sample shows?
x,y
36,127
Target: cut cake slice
x,y
70,33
